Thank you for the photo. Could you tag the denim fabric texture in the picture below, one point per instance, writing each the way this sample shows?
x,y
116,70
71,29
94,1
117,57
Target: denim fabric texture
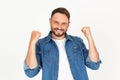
x,y
47,55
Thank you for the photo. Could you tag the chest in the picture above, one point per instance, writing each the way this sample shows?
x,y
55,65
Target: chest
x,y
51,53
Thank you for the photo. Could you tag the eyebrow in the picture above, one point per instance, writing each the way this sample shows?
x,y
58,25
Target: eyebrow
x,y
58,22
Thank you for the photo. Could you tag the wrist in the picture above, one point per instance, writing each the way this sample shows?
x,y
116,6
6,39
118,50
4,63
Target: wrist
x,y
89,37
33,42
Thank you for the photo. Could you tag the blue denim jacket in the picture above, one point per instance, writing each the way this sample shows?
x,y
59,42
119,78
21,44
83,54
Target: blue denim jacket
x,y
48,59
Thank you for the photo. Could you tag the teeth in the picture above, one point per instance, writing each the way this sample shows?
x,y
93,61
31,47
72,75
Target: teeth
x,y
58,30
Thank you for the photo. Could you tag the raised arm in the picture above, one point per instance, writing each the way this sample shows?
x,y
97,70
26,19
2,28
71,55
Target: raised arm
x,y
31,60
93,53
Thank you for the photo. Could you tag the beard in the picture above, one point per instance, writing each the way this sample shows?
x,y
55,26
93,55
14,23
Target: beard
x,y
58,32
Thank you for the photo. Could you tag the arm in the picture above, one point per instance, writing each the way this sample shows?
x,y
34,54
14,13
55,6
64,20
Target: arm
x,y
93,53
31,60
31,65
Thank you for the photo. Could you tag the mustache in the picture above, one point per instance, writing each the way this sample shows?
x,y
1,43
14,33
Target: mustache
x,y
58,29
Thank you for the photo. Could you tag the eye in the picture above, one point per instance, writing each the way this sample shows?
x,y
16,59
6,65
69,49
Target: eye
x,y
64,24
55,22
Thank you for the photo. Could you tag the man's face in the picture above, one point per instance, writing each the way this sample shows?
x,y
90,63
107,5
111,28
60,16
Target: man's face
x,y
59,24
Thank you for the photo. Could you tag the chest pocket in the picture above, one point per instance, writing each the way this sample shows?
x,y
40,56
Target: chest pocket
x,y
78,53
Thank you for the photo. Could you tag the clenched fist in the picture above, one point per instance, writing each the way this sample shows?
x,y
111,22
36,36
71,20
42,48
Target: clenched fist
x,y
35,36
86,31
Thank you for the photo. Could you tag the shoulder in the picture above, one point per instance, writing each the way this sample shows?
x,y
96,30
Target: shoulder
x,y
75,38
42,41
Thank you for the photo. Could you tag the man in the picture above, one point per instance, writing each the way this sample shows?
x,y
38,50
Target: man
x,y
59,55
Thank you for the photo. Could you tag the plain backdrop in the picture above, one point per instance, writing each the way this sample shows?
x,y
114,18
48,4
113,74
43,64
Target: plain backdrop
x,y
19,17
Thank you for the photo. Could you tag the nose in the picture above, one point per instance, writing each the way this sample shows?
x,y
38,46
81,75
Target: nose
x,y
59,26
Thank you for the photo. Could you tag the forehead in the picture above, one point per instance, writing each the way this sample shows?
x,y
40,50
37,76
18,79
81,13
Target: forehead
x,y
60,17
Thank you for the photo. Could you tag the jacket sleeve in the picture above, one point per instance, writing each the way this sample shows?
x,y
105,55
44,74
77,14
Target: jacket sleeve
x,y
93,65
33,72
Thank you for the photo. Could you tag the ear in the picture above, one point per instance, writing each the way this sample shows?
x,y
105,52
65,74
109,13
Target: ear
x,y
68,23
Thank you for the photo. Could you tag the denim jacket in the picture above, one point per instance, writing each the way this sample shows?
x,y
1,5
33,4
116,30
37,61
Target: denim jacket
x,y
47,55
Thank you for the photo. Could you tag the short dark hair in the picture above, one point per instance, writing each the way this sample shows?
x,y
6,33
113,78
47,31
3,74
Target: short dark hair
x,y
61,10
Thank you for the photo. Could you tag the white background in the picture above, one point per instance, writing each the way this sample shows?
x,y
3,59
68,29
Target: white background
x,y
19,17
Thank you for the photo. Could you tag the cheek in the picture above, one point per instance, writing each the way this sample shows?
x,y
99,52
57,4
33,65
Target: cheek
x,y
53,25
65,28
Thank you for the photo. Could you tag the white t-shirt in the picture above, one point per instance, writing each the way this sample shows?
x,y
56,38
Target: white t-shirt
x,y
64,72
